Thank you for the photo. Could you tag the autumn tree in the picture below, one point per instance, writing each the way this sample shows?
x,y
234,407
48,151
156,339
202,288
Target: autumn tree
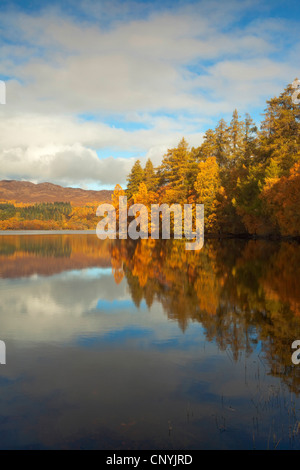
x,y
176,173
135,178
118,192
236,140
207,185
222,143
282,197
279,137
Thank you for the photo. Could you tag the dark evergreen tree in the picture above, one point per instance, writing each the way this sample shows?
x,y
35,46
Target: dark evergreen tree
x,y
135,178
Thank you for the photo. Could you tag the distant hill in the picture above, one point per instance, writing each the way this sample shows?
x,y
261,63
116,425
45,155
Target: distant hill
x,y
26,192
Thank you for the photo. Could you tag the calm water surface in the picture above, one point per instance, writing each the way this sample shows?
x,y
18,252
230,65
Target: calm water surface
x,y
123,345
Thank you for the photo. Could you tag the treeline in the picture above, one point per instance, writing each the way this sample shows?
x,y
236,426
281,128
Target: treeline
x,y
47,216
247,178
42,211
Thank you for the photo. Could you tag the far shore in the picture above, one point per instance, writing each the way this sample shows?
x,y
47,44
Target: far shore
x,y
47,232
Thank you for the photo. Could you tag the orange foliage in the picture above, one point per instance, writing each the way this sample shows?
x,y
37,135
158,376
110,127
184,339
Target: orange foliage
x,y
282,197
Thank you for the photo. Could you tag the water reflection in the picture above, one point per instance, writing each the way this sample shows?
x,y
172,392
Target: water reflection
x,y
146,345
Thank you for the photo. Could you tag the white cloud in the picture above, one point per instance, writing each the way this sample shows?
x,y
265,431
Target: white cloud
x,y
62,150
62,164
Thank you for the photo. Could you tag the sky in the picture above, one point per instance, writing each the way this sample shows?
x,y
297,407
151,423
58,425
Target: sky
x,y
93,85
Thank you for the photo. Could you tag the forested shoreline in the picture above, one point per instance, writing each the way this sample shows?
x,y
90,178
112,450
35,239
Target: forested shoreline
x,y
247,178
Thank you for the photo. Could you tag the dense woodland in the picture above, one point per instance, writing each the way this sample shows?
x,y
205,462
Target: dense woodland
x,y
247,178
